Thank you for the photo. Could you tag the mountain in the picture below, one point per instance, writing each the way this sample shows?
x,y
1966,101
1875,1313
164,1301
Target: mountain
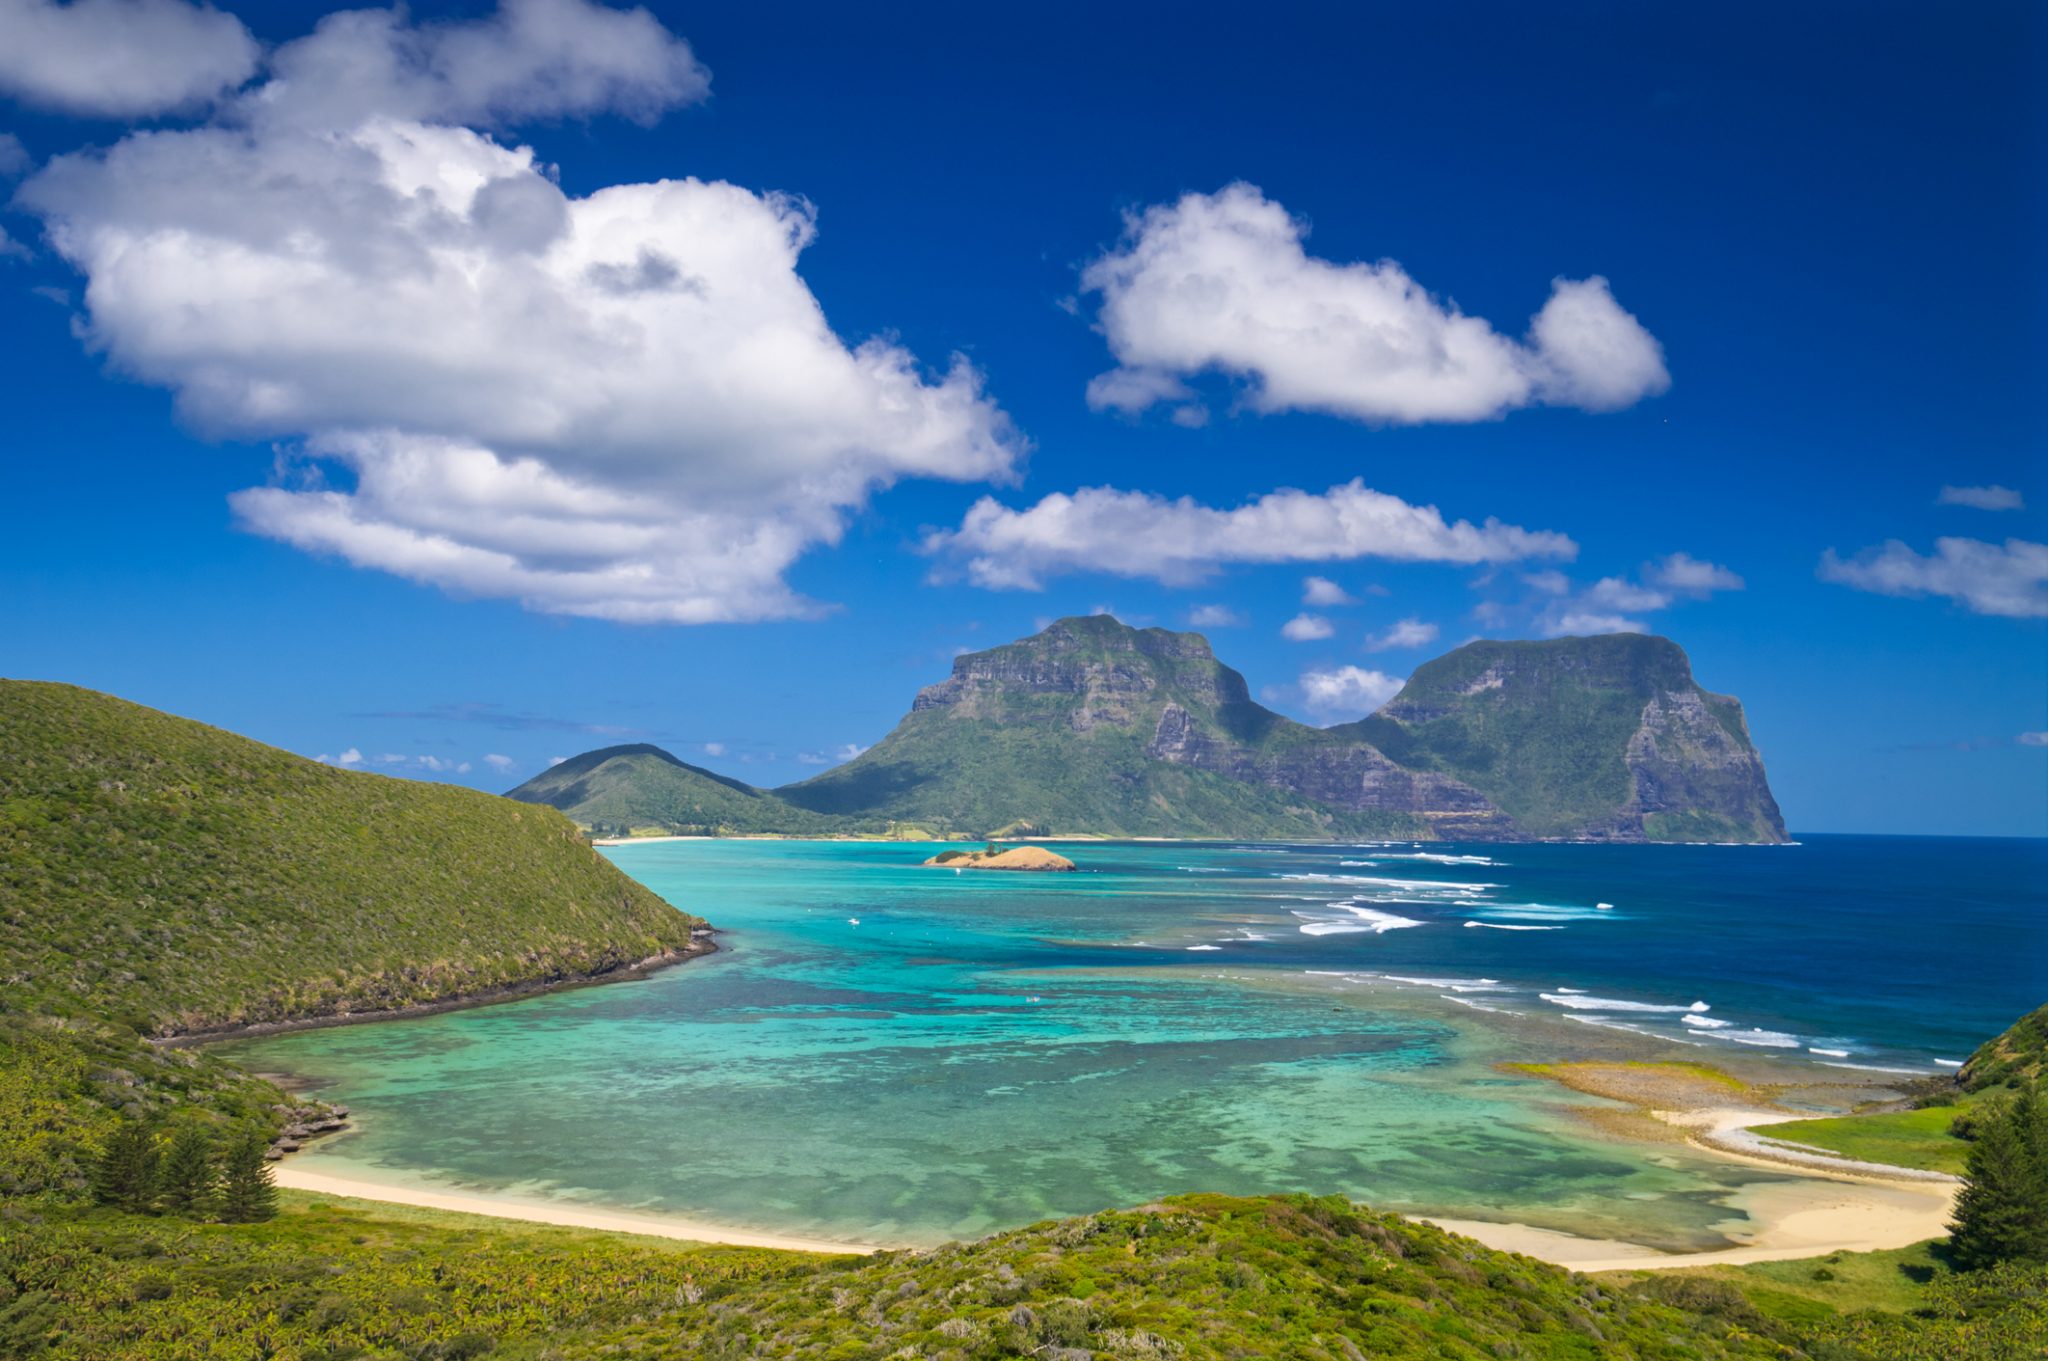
x,y
1095,727
618,790
1089,727
1605,738
181,878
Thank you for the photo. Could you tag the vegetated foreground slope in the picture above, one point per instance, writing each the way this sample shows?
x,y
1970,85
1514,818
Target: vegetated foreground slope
x,y
619,790
1193,1277
2019,1055
1093,727
178,878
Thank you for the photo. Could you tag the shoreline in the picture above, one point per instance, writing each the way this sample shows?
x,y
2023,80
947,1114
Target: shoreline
x,y
699,946
559,1213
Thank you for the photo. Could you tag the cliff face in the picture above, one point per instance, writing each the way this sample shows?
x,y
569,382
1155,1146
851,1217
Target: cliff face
x,y
1095,727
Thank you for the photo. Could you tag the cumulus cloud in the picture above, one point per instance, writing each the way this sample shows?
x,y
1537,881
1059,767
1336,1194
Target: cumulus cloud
x,y
1323,592
1342,693
14,157
714,748
499,763
2033,739
1181,542
1406,633
1306,628
351,757
626,405
121,58
2009,579
532,59
1612,604
1981,498
1215,617
1221,283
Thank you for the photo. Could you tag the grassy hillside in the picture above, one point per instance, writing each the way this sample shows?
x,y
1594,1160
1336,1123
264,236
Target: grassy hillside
x,y
641,788
168,875
1193,1277
2020,1054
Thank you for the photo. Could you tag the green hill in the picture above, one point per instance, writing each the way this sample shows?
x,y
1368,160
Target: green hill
x,y
181,878
641,788
2019,1055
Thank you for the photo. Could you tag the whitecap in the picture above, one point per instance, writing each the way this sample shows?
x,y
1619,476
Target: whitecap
x,y
1764,1039
1950,1063
1454,984
1502,926
1360,919
1831,1053
1580,1000
1879,1068
1428,886
1706,1022
1205,947
1199,869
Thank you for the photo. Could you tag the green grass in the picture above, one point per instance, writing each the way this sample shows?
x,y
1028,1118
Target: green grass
x,y
2021,1053
1916,1138
175,878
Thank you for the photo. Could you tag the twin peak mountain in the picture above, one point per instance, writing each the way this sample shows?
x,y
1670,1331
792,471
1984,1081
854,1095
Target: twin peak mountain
x,y
1094,728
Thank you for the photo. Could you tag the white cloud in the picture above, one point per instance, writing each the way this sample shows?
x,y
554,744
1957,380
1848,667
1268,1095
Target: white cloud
x,y
1215,617
499,763
848,751
714,748
1347,692
627,405
1306,628
1220,283
351,757
1986,578
1406,633
1981,498
1577,623
2033,739
1324,592
121,58
14,157
532,59
1137,534
1684,573
554,761
1610,604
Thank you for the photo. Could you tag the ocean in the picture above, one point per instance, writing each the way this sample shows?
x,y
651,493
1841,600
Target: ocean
x,y
887,1052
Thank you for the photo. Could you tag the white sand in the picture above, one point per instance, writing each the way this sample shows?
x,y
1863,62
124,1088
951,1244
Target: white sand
x,y
554,1212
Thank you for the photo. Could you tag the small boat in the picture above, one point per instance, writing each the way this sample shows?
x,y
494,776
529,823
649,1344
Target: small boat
x,y
853,921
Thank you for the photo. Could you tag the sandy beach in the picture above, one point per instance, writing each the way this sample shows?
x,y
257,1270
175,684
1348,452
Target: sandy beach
x,y
555,1212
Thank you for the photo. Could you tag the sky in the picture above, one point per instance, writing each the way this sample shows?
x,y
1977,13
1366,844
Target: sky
x,y
447,391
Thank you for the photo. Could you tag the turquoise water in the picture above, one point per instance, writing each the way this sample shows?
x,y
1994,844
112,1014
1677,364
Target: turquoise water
x,y
883,1052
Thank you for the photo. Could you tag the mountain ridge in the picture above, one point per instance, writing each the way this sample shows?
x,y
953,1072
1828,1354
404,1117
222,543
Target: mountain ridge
x,y
1094,728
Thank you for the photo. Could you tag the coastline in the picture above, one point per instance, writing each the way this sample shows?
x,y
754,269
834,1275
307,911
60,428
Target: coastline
x,y
702,942
558,1213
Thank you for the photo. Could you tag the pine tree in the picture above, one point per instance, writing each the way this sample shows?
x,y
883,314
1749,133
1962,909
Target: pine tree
x,y
2002,1211
190,1184
126,1174
248,1195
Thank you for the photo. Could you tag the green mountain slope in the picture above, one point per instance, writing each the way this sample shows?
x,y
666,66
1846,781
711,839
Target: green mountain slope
x,y
1092,727
1056,734
1604,737
181,878
620,790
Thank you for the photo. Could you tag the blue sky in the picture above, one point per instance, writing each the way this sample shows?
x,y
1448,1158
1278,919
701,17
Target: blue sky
x,y
1819,231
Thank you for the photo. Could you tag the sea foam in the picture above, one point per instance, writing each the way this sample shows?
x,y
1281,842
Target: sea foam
x,y
1583,1002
